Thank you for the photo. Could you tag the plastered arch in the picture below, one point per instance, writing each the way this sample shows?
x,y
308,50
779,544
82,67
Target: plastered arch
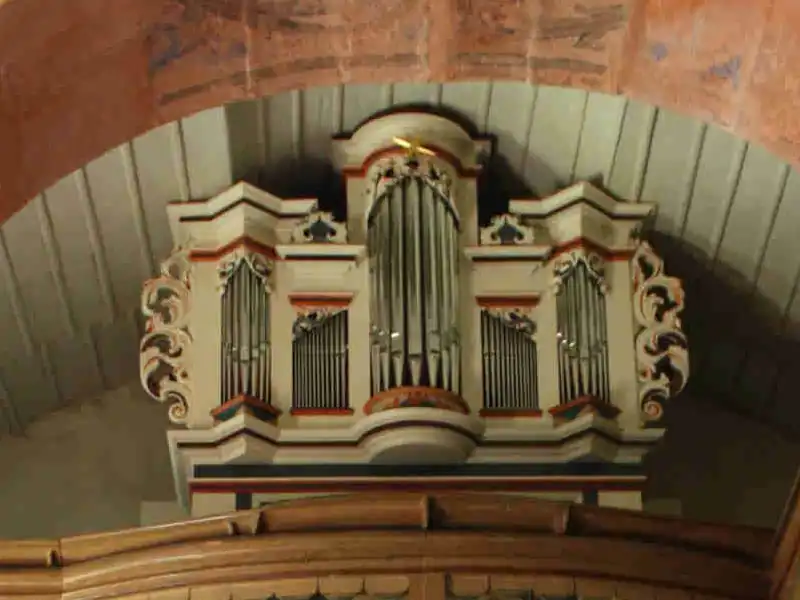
x,y
80,77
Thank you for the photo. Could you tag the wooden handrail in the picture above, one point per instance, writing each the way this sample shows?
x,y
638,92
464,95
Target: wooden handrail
x,y
486,535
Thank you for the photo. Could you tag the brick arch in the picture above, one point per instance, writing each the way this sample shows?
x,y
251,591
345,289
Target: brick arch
x,y
80,77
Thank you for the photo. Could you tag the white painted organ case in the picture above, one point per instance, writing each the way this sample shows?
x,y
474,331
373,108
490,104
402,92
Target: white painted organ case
x,y
409,329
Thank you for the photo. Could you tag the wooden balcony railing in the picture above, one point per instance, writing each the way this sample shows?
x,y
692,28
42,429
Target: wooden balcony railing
x,y
400,545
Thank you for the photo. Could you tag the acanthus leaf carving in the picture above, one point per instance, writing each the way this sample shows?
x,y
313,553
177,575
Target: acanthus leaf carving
x,y
662,356
164,349
519,318
565,263
506,230
319,227
389,171
309,318
259,264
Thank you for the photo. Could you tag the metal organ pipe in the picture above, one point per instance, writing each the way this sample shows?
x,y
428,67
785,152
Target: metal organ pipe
x,y
509,362
415,327
582,332
413,248
245,360
319,360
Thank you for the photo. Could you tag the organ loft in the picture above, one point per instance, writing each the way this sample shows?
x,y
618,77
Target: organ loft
x,y
410,346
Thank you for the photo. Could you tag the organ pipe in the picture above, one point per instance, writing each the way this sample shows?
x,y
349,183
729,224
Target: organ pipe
x,y
413,249
582,334
509,363
245,360
319,361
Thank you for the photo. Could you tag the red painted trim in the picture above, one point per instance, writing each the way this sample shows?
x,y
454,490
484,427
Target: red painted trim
x,y
204,200
499,413
419,390
247,242
323,257
507,301
394,150
244,400
507,259
585,401
581,242
313,412
332,300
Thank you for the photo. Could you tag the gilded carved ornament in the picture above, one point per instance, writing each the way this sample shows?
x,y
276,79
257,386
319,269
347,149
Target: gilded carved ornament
x,y
310,317
165,347
506,230
662,356
519,318
260,265
566,263
391,170
319,228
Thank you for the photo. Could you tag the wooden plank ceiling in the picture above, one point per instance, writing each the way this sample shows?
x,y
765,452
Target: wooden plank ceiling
x,y
72,262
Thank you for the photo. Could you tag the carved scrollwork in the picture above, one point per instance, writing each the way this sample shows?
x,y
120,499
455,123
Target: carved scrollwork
x,y
506,230
309,318
519,318
566,263
319,228
259,264
391,170
164,349
662,354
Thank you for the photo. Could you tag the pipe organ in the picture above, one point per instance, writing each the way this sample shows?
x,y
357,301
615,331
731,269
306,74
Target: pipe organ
x,y
412,241
244,330
319,361
582,328
509,362
410,333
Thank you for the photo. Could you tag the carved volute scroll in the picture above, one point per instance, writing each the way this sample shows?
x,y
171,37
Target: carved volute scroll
x,y
506,230
164,349
319,228
662,356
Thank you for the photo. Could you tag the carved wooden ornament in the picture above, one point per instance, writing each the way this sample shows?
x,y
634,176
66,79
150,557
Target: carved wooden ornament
x,y
164,349
662,356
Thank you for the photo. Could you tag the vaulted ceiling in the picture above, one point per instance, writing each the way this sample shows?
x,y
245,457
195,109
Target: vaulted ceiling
x,y
73,260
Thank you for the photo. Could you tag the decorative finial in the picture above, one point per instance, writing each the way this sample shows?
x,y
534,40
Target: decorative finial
x,y
413,147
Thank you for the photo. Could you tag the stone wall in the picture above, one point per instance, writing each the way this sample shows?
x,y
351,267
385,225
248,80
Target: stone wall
x,y
86,467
